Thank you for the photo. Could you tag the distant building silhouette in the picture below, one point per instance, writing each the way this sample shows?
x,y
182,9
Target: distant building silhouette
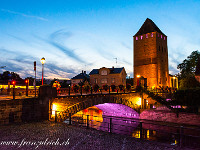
x,y
80,78
151,56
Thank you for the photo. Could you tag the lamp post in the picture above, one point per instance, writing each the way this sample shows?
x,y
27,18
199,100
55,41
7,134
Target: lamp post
x,y
42,61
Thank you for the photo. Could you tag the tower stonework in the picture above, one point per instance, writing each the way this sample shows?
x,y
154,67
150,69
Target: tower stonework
x,y
151,55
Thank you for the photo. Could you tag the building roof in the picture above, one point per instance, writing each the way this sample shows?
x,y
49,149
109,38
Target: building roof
x,y
112,71
82,75
197,72
148,27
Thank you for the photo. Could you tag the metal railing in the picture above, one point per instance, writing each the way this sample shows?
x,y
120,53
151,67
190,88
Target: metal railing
x,y
174,134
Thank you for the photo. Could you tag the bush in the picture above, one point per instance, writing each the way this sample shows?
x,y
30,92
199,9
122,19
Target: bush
x,y
105,87
96,87
75,88
121,87
113,87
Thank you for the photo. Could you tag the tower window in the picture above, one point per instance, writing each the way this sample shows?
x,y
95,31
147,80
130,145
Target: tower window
x,y
146,35
141,37
136,38
151,34
161,36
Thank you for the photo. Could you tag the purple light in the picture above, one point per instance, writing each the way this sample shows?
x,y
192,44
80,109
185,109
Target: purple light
x,y
141,37
119,110
136,38
151,34
146,35
161,36
164,37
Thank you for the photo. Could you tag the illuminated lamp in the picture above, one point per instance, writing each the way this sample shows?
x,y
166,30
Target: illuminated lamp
x,y
53,109
138,76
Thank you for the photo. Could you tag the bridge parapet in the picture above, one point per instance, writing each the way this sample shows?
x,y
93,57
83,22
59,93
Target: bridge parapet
x,y
62,107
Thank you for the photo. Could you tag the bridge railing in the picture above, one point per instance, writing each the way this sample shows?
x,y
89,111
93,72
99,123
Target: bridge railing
x,y
173,134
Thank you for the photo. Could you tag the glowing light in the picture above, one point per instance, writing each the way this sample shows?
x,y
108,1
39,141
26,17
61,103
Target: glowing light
x,y
151,34
138,76
141,37
146,35
53,109
42,60
161,36
136,38
174,77
139,101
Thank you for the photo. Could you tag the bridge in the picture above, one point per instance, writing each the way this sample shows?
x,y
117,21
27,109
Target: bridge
x,y
62,107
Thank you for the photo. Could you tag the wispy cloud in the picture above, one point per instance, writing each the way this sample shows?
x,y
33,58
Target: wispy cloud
x,y
55,40
24,15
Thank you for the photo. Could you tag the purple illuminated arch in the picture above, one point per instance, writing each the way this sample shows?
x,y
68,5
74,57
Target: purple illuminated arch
x,y
119,110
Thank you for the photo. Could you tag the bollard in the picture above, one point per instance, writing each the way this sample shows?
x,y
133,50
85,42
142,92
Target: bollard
x,y
88,121
70,118
181,136
140,130
13,93
110,125
55,116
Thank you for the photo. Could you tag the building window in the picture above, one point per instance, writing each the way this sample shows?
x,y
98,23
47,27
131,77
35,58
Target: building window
x,y
151,34
141,37
161,36
136,38
164,37
95,81
112,80
104,72
146,35
104,81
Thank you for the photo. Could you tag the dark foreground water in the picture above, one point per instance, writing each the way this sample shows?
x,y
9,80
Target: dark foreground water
x,y
130,124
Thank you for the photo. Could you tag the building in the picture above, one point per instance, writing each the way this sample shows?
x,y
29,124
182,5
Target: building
x,y
82,77
108,76
150,56
197,72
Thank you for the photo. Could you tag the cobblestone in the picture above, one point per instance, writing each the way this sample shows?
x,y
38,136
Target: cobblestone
x,y
75,138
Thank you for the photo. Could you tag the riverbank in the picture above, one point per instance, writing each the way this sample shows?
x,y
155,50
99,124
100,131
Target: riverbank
x,y
47,135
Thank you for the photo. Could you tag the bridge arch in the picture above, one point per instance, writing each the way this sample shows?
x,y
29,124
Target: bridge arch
x,y
73,104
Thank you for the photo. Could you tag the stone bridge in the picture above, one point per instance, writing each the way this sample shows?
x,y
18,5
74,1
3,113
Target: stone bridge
x,y
62,107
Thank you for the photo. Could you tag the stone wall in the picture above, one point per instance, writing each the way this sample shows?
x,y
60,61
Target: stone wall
x,y
23,110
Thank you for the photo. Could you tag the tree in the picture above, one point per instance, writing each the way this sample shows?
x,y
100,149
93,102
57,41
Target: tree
x,y
189,82
188,66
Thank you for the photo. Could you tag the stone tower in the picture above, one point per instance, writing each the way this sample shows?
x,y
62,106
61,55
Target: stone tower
x,y
150,56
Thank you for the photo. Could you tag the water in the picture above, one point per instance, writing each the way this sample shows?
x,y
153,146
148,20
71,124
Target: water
x,y
129,124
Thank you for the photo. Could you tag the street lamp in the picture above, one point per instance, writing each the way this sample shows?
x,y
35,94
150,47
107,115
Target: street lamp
x,y
42,61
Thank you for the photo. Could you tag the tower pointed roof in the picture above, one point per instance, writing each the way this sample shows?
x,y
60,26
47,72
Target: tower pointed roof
x,y
148,27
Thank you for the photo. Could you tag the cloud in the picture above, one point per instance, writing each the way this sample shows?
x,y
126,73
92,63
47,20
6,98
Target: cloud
x,y
24,15
56,37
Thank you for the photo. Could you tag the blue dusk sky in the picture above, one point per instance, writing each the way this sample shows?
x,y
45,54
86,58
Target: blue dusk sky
x,y
76,35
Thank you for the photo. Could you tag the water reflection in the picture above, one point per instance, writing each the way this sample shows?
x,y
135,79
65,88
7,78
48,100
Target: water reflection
x,y
111,118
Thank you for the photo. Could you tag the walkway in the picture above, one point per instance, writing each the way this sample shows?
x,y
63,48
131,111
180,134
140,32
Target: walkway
x,y
73,138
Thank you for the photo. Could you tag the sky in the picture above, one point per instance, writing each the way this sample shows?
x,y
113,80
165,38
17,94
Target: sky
x,y
76,35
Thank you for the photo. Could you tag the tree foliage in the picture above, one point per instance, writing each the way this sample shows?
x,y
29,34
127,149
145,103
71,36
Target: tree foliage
x,y
188,66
